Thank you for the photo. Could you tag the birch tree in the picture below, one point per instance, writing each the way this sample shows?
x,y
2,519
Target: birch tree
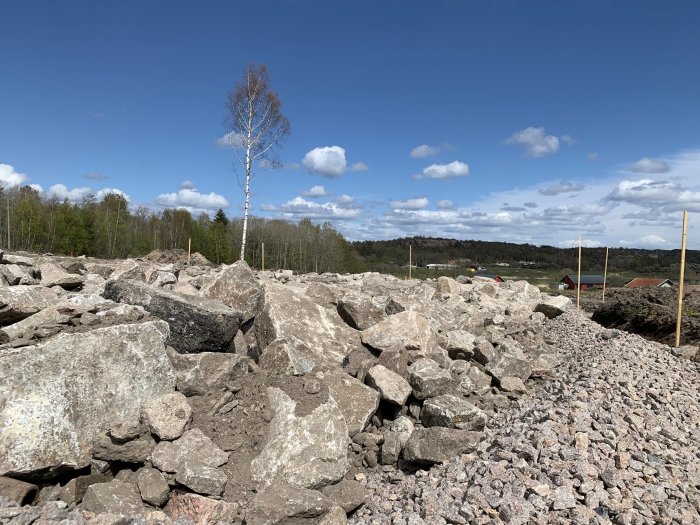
x,y
255,127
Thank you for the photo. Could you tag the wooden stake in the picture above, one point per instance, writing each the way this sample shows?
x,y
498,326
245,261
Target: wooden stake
x,y
605,275
189,249
578,288
680,282
410,258
263,257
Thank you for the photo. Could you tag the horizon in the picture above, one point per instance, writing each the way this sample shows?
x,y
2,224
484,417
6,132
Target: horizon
x,y
530,123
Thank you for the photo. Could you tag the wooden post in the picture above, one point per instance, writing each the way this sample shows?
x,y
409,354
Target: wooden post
x,y
605,275
680,282
263,257
189,249
578,287
8,219
410,258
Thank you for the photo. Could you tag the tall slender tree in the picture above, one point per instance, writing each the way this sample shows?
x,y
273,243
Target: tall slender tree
x,y
255,127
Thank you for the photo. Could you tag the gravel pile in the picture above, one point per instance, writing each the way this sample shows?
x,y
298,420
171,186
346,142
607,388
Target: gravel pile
x,y
615,438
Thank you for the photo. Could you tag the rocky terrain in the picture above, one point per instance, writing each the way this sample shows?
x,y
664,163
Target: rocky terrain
x,y
157,391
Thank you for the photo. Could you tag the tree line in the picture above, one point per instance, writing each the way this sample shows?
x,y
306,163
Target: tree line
x,y
426,250
108,228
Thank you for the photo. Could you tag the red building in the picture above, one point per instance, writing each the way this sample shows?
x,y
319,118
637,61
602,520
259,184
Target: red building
x,y
587,282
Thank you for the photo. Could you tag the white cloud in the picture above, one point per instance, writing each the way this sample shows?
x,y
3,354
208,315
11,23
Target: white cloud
x,y
37,187
536,142
573,243
423,151
409,204
665,194
191,199
300,208
9,177
187,185
315,192
648,241
232,140
346,201
330,161
444,171
647,165
61,192
445,204
565,186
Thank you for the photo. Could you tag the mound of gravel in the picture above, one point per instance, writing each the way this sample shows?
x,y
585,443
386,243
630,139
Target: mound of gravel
x,y
615,438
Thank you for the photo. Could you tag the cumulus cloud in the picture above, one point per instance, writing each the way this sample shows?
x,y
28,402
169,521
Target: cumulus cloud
x,y
409,204
573,243
565,186
62,192
231,140
315,192
95,176
424,151
330,161
647,241
190,198
536,142
37,187
9,177
445,204
647,165
300,208
187,185
665,194
444,171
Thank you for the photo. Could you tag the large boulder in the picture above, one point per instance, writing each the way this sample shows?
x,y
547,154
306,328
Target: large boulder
x,y
167,416
200,510
54,275
428,379
307,440
114,497
287,313
18,302
361,311
357,402
452,412
404,331
200,373
287,356
192,448
553,306
438,444
196,324
390,385
237,287
49,419
282,504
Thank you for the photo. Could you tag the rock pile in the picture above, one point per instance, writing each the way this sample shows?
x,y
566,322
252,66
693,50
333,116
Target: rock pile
x,y
186,392
615,438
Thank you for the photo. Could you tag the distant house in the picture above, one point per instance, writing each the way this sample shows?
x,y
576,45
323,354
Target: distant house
x,y
587,282
496,278
644,282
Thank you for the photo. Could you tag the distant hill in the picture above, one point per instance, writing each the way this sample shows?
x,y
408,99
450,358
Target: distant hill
x,y
469,253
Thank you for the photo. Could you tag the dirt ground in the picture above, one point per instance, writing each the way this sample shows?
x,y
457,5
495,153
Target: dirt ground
x,y
649,312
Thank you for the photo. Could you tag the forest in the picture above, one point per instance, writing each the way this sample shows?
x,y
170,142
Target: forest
x,y
109,228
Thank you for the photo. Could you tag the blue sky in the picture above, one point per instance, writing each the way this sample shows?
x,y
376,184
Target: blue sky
x,y
531,121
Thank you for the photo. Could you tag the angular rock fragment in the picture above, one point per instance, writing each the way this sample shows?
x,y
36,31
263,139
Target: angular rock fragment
x,y
508,366
356,401
200,510
73,491
308,450
133,451
18,491
199,478
152,486
438,444
287,313
203,372
452,412
428,379
18,302
553,306
167,416
348,494
391,386
196,324
48,420
237,287
405,331
361,311
192,448
54,275
282,504
459,344
287,356
114,497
